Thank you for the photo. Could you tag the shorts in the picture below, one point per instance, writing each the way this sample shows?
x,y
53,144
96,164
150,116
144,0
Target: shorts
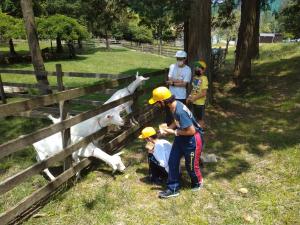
x,y
199,111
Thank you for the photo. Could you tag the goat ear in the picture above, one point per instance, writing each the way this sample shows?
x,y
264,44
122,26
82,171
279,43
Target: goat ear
x,y
137,74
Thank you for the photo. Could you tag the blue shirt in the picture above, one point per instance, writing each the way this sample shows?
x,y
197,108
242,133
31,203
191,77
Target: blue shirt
x,y
184,117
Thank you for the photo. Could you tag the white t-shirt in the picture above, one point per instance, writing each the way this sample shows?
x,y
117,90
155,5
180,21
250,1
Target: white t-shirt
x,y
162,149
179,73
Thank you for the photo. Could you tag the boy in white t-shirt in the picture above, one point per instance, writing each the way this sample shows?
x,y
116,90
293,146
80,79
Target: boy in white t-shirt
x,y
179,77
158,155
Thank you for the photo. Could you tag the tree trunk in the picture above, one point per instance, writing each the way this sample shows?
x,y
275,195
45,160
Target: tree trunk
x,y
160,46
186,37
51,46
255,40
106,40
199,37
226,48
59,47
12,51
34,47
79,43
242,67
72,53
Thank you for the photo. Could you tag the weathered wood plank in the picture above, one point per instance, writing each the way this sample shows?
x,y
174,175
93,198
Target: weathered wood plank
x,y
67,74
41,193
64,108
71,74
3,97
30,104
21,142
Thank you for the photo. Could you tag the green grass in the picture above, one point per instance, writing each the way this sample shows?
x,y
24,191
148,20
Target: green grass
x,y
118,60
256,134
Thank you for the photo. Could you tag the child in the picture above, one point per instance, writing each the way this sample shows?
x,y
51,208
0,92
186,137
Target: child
x,y
158,155
199,91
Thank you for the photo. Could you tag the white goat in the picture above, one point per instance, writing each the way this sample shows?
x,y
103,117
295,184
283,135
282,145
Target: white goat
x,y
53,144
130,89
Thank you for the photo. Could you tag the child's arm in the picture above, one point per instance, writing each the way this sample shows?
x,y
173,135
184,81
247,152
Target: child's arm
x,y
200,95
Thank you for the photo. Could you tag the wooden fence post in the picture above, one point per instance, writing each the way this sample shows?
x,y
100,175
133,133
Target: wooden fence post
x,y
64,108
3,97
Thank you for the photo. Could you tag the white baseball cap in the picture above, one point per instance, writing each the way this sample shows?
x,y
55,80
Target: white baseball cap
x,y
180,54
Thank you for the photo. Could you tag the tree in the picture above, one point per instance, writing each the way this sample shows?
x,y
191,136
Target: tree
x,y
268,22
157,15
242,67
101,15
63,28
199,36
225,23
289,18
13,7
36,56
255,38
10,28
129,29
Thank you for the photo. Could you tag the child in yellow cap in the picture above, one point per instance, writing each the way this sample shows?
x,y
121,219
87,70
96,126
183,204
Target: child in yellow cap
x,y
199,92
158,155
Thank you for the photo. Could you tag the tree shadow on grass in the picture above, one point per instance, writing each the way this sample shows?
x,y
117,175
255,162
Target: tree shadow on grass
x,y
262,119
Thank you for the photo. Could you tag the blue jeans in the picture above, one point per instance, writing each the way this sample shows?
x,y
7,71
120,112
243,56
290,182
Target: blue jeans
x,y
190,147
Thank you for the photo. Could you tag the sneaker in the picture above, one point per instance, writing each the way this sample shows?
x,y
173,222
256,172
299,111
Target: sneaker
x,y
198,186
168,194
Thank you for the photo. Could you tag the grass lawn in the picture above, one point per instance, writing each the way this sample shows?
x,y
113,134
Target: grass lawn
x,y
116,61
256,134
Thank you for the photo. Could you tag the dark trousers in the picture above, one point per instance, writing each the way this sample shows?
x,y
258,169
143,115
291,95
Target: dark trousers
x,y
169,115
156,172
190,147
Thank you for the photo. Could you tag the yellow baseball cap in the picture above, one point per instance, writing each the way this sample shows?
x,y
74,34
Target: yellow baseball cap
x,y
147,132
160,94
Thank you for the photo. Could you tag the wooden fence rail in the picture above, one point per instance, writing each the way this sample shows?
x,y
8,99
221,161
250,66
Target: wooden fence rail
x,y
116,80
74,74
217,54
21,142
30,104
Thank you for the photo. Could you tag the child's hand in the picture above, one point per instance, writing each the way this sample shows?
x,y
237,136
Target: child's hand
x,y
190,99
162,129
150,147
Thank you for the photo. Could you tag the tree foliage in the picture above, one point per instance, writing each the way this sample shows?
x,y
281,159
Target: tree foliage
x,y
289,18
157,15
66,28
102,15
11,27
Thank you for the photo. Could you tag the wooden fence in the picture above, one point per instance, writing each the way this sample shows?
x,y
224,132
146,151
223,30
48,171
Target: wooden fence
x,y
155,49
107,87
17,212
218,54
